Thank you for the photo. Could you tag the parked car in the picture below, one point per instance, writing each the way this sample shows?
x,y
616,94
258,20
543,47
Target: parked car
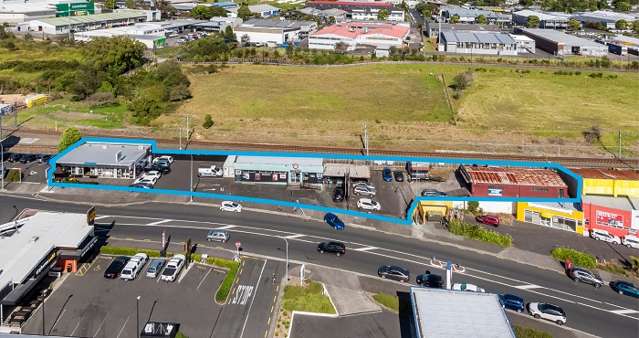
x,y
625,288
153,174
435,178
140,258
488,219
162,166
603,235
547,311
338,194
114,269
394,272
43,158
13,157
27,158
512,302
332,247
430,280
631,241
467,287
387,175
212,171
585,276
173,268
141,185
399,176
154,268
432,193
130,271
231,206
368,204
218,236
166,158
364,185
334,221
363,191
146,180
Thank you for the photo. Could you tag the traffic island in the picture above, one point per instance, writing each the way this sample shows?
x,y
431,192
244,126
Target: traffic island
x,y
309,299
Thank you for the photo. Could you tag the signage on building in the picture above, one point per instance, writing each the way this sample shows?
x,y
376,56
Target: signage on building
x,y
609,219
494,192
46,262
91,216
634,222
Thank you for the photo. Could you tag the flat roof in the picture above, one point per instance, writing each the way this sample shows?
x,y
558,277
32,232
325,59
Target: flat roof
x,y
85,19
611,174
353,30
105,154
541,15
477,37
441,313
274,163
514,176
474,12
556,206
622,203
557,36
353,170
40,233
262,8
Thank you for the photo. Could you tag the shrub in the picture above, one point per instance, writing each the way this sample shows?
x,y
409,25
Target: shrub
x,y
208,121
474,231
525,332
389,301
14,175
225,288
69,137
578,258
473,206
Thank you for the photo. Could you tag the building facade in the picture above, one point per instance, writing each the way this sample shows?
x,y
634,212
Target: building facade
x,y
362,10
104,160
477,42
275,170
273,32
546,20
559,43
352,35
513,182
563,216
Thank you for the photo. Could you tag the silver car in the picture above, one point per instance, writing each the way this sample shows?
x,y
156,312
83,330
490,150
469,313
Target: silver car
x,y
218,236
155,266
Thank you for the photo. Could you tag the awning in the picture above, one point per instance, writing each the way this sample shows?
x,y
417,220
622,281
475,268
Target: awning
x,y
15,296
353,171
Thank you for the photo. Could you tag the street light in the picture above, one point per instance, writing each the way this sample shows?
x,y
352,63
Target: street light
x,y
286,241
2,161
137,317
43,300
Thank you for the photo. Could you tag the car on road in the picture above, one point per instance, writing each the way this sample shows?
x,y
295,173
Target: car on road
x,y
467,287
162,158
368,204
631,241
231,206
585,276
130,271
387,175
399,176
394,272
488,220
116,266
218,236
361,190
212,171
547,311
173,268
512,302
603,235
432,193
625,288
338,194
334,221
337,248
430,280
154,268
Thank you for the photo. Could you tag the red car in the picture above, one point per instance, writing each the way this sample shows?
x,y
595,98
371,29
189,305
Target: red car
x,y
488,219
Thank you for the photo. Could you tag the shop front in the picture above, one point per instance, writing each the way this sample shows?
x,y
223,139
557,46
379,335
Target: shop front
x,y
275,170
563,216
614,215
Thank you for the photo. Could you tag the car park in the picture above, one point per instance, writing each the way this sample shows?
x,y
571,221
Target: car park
x,y
631,241
173,268
338,194
603,235
116,266
387,175
430,280
394,272
337,248
467,287
399,176
154,268
218,236
212,171
334,221
512,302
488,220
585,276
363,191
130,271
625,288
368,204
432,193
547,311
231,206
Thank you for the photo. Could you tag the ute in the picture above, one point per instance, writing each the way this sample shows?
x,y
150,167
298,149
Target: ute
x,y
212,171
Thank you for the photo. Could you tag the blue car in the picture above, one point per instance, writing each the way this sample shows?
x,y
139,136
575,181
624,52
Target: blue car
x,y
334,221
625,288
512,302
387,175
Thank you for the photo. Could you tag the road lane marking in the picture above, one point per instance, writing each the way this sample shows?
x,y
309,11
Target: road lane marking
x,y
123,326
160,222
57,320
204,278
294,236
226,227
366,248
528,287
102,217
75,328
624,312
257,285
242,294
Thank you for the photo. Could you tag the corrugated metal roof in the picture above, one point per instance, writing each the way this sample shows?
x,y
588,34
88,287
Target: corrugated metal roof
x,y
273,163
86,19
96,153
567,39
514,176
478,37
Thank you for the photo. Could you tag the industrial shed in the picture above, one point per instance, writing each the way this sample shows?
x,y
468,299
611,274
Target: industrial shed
x,y
559,43
513,182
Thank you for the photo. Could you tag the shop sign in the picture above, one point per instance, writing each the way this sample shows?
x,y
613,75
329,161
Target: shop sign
x,y
634,223
46,262
91,216
608,219
494,192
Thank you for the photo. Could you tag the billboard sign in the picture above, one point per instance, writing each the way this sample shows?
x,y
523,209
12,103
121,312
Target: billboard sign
x,y
609,219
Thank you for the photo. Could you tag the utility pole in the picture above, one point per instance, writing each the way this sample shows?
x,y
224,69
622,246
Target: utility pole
x,y
366,138
286,241
43,300
619,155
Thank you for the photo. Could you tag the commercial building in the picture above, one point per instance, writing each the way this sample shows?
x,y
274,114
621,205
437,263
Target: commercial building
x,y
476,42
300,171
18,11
361,10
431,28
264,10
610,182
339,172
104,160
273,32
468,15
152,36
219,23
546,20
559,43
326,14
354,35
606,19
619,216
513,182
441,313
524,44
565,216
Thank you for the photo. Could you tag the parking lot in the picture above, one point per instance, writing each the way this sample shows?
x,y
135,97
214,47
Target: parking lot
x,y
89,305
33,168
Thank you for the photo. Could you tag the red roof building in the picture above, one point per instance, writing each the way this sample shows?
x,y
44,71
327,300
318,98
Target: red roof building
x,y
513,182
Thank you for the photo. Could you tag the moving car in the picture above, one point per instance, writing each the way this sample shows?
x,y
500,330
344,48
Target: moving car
x,y
212,171
218,236
399,176
585,276
338,195
155,266
512,302
547,311
363,191
368,204
394,272
432,192
467,287
231,206
488,219
631,241
332,247
130,271
625,288
173,268
162,158
334,221
114,269
387,175
603,235
430,280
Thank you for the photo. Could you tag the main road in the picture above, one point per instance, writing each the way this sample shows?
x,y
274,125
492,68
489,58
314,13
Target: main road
x,y
597,311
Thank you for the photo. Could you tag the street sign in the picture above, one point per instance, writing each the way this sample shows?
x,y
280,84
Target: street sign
x,y
238,245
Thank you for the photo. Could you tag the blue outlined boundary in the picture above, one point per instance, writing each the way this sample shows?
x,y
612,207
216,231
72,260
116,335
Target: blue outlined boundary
x,y
405,221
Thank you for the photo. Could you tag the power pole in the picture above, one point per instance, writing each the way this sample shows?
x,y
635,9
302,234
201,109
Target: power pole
x,y
366,138
619,155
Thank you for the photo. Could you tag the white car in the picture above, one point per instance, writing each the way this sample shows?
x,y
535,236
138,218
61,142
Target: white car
x,y
364,185
231,206
146,180
368,204
547,311
631,241
130,271
364,191
140,259
212,171
173,268
603,235
152,174
467,287
163,157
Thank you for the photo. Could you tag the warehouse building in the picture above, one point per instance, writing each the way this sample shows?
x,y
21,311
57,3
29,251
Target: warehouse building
x,y
468,15
564,216
513,182
559,43
619,216
610,182
300,171
546,20
152,36
264,10
361,10
104,160
475,42
18,11
431,28
273,32
335,14
355,35
524,44
606,19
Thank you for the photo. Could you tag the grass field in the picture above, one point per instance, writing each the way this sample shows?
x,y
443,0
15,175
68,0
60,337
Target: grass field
x,y
64,113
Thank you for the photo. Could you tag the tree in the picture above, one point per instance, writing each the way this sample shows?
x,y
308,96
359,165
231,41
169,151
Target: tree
x,y
69,137
526,3
463,80
481,19
454,19
635,26
573,25
592,135
208,121
207,12
244,12
229,35
130,4
533,21
110,4
621,5
383,14
621,24
167,10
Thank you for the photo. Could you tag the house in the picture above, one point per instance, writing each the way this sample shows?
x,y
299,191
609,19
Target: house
x,y
546,20
263,10
353,35
559,43
273,32
474,42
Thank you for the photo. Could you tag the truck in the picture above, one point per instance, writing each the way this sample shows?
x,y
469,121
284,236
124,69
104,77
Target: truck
x,y
212,171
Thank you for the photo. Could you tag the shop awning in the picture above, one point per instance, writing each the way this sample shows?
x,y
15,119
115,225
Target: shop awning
x,y
15,296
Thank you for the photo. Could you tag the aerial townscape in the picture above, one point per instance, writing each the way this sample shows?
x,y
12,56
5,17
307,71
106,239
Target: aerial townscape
x,y
319,168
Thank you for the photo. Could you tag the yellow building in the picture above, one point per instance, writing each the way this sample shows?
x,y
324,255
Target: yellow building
x,y
427,209
557,215
608,182
35,100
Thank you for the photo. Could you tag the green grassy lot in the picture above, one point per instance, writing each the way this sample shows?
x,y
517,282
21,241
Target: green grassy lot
x,y
309,299
64,113
389,301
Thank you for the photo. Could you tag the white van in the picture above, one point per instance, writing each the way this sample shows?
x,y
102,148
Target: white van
x,y
631,241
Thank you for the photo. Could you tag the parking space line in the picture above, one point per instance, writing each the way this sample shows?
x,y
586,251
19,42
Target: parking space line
x,y
366,248
100,327
75,329
123,326
160,222
57,320
204,278
185,272
624,312
226,227
294,236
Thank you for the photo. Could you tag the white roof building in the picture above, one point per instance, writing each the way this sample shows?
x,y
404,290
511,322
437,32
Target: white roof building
x,y
546,20
606,18
72,24
560,43
151,35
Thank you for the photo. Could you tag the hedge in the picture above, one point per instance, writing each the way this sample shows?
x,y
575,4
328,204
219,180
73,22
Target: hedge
x,y
474,231
577,257
127,251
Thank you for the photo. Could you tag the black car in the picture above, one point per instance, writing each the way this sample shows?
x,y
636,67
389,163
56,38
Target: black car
x,y
43,158
14,157
162,166
114,269
394,272
333,247
338,195
430,280
399,176
432,193
27,158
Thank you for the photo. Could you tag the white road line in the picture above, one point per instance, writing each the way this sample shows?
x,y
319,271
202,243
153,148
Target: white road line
x,y
100,327
226,227
366,248
624,312
257,285
160,222
102,217
123,326
528,287
75,328
294,236
204,278
185,272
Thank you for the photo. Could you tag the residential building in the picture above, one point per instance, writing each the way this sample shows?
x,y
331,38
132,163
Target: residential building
x,y
559,43
353,35
546,20
361,10
18,11
264,10
524,44
273,32
302,171
431,28
513,182
607,19
467,15
151,35
104,160
475,42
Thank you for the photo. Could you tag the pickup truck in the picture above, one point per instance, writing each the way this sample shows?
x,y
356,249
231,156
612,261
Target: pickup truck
x,y
212,171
